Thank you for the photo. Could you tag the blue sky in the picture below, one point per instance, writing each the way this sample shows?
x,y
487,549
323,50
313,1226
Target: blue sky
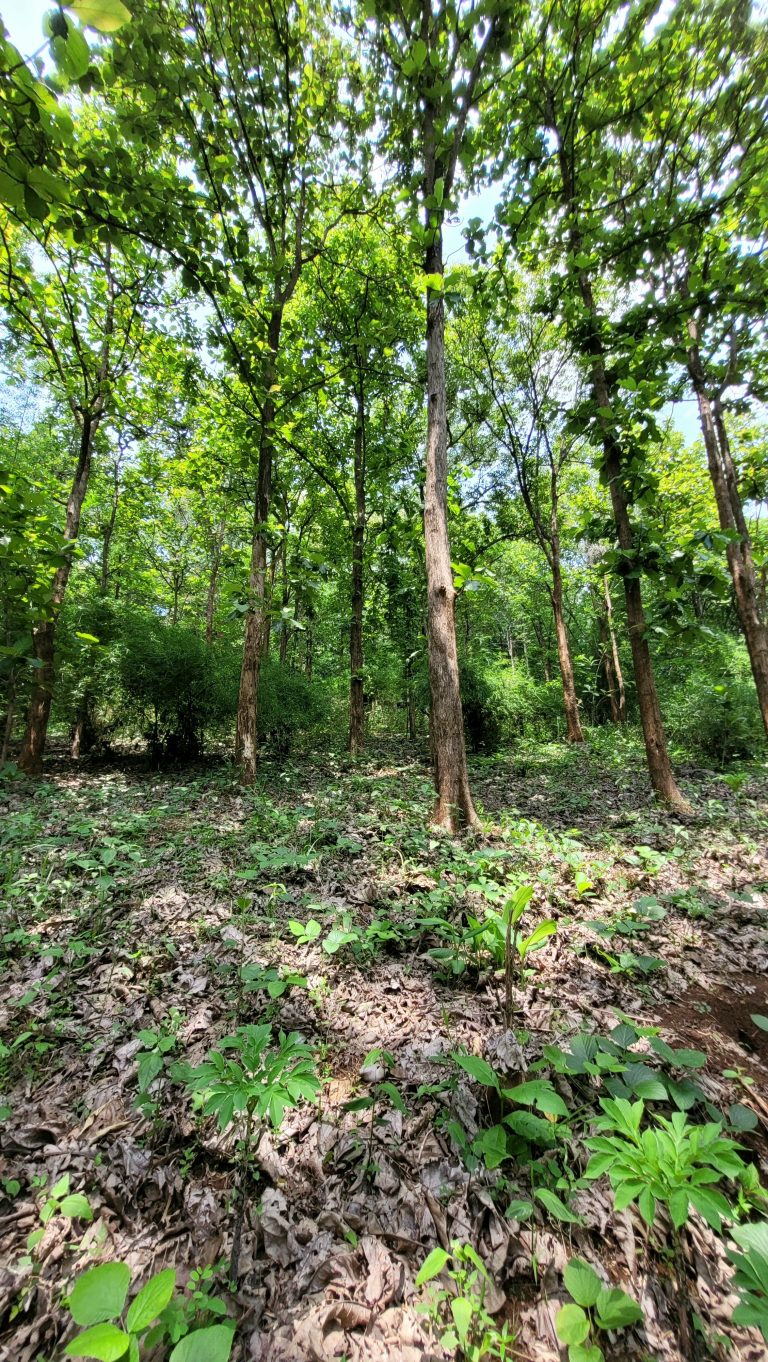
x,y
23,20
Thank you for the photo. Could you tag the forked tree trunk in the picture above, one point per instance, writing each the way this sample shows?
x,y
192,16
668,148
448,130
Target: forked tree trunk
x,y
246,733
570,701
30,758
453,806
731,516
356,682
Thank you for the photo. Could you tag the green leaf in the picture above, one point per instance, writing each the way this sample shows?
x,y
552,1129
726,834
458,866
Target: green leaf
x,y
213,1344
419,53
557,1208
76,1206
71,54
579,1352
571,1324
582,1282
537,937
151,1300
462,1310
615,1309
478,1069
105,1342
432,1266
759,1020
741,1117
106,16
539,1093
100,1293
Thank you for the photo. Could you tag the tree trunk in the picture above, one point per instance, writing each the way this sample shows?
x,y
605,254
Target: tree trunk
x,y
570,702
453,805
657,753
44,635
356,683
731,516
10,714
213,588
614,676
246,734
659,765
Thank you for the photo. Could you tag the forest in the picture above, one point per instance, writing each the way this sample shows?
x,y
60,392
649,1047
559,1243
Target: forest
x,y
384,681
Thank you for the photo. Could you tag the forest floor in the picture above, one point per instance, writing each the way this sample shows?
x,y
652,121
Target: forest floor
x,y
149,913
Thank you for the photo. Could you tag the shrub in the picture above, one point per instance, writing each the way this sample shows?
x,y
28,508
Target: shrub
x,y
713,715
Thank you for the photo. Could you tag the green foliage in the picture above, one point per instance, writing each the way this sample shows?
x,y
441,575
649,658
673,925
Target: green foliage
x,y
595,1306
751,1276
458,1308
670,1161
97,1304
254,1077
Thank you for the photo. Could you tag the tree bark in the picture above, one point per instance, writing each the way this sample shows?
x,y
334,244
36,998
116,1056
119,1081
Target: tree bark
x,y
356,660
246,734
213,588
657,753
30,758
614,676
730,513
453,805
570,702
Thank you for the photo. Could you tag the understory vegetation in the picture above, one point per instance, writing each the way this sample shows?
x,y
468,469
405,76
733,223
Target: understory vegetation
x,y
351,1089
384,681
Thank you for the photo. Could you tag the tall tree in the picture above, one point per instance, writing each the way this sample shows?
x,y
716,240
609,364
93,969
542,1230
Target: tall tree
x,y
81,317
436,67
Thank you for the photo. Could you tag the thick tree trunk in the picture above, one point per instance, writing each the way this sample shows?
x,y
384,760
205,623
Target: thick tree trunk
x,y
453,806
356,683
731,516
246,734
570,702
44,635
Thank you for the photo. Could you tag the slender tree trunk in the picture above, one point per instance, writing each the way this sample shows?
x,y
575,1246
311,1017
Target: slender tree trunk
x,y
106,545
356,683
611,662
731,516
284,600
10,714
657,753
453,806
44,635
246,735
570,702
213,589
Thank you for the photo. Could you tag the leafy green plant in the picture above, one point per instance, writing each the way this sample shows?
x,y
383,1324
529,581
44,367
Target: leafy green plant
x,y
595,1306
97,1304
458,1308
384,1089
513,1135
275,982
671,1161
248,1076
751,1275
59,1201
157,1046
